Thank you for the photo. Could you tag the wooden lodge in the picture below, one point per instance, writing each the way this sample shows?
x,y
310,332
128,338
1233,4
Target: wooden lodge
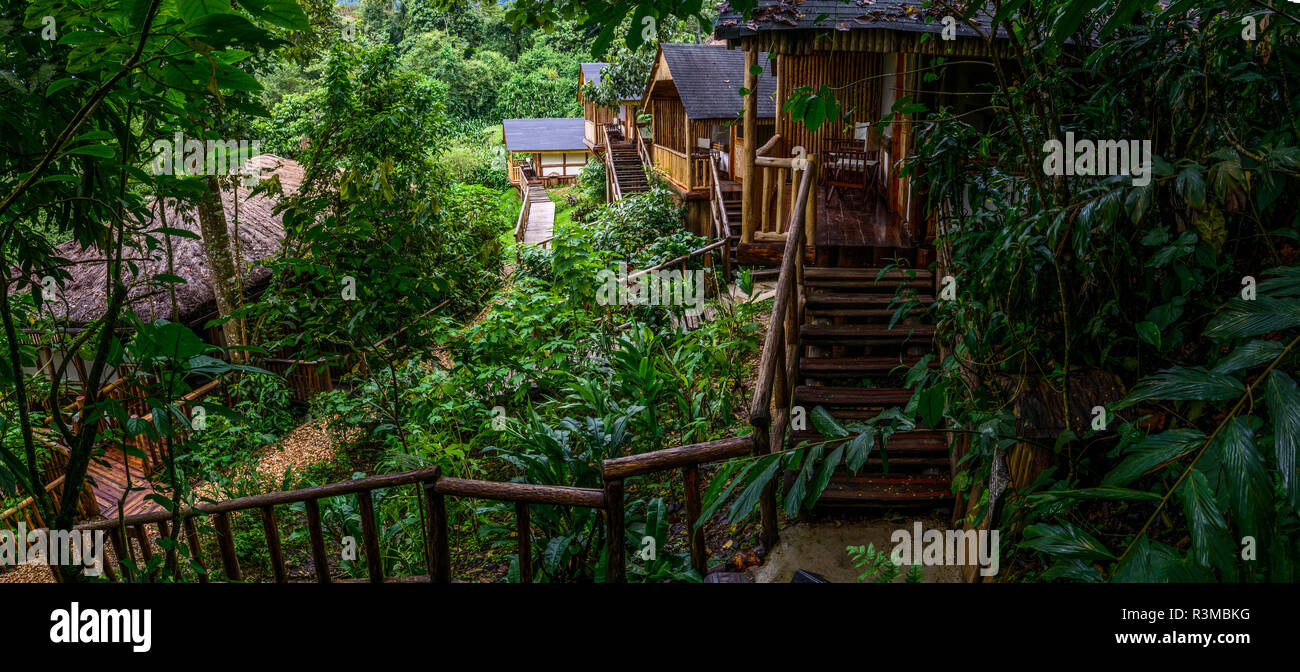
x,y
545,151
872,57
596,118
694,99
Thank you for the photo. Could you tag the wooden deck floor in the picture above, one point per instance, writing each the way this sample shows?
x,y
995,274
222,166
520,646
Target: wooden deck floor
x,y
846,219
541,217
110,482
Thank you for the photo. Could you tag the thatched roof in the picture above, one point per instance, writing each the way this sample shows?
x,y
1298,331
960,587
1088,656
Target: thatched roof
x,y
255,233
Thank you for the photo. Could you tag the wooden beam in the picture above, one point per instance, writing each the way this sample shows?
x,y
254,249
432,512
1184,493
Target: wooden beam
x,y
748,189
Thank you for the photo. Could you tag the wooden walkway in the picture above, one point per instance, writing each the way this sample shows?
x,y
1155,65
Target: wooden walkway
x,y
110,482
541,216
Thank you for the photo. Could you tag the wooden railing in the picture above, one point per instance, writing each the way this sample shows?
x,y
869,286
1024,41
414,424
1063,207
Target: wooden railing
x,y
521,226
305,379
54,471
772,202
435,487
718,212
674,163
778,368
641,148
701,177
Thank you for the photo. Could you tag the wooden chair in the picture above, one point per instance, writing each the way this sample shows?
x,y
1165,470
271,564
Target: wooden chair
x,y
850,164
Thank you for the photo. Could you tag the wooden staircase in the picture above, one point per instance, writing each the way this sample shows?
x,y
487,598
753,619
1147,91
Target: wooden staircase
x,y
853,362
842,336
623,160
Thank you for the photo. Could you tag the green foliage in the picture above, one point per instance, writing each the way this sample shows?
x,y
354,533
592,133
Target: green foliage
x,y
878,567
1143,283
542,83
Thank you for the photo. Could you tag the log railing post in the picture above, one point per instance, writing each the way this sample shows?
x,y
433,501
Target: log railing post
x,y
226,540
525,542
192,538
616,563
699,554
749,188
318,557
273,544
370,536
439,553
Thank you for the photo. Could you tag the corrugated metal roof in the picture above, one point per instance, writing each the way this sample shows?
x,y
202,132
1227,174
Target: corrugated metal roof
x,y
904,15
709,77
544,135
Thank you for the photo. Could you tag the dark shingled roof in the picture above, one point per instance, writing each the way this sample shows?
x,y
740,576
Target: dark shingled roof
x,y
905,15
544,135
709,77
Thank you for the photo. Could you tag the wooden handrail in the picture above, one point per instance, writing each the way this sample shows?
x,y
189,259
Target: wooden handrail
x,y
760,408
522,223
676,458
673,262
436,487
778,367
520,492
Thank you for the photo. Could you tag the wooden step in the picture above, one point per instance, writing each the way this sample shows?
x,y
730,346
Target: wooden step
x,y
876,397
866,278
918,444
855,367
865,334
845,490
848,300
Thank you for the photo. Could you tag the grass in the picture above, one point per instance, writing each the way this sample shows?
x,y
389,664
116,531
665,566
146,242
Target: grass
x,y
559,195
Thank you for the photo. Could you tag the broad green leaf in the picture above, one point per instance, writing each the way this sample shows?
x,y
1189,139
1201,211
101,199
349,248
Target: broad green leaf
x,y
192,10
827,425
1249,488
1149,333
282,13
1152,452
799,489
1185,384
556,549
1073,569
860,449
720,489
1242,319
1191,186
1211,545
97,151
764,469
828,467
1284,409
1066,541
1251,354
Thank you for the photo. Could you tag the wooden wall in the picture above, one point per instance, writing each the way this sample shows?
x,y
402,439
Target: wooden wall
x,y
858,72
670,124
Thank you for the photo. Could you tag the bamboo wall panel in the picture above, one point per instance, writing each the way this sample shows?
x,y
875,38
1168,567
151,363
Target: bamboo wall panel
x,y
878,41
670,124
859,75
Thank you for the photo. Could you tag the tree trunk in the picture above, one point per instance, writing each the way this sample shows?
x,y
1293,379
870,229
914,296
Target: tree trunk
x,y
224,273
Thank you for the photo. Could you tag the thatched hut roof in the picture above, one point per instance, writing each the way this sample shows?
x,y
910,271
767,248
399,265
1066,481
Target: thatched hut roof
x,y
256,233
